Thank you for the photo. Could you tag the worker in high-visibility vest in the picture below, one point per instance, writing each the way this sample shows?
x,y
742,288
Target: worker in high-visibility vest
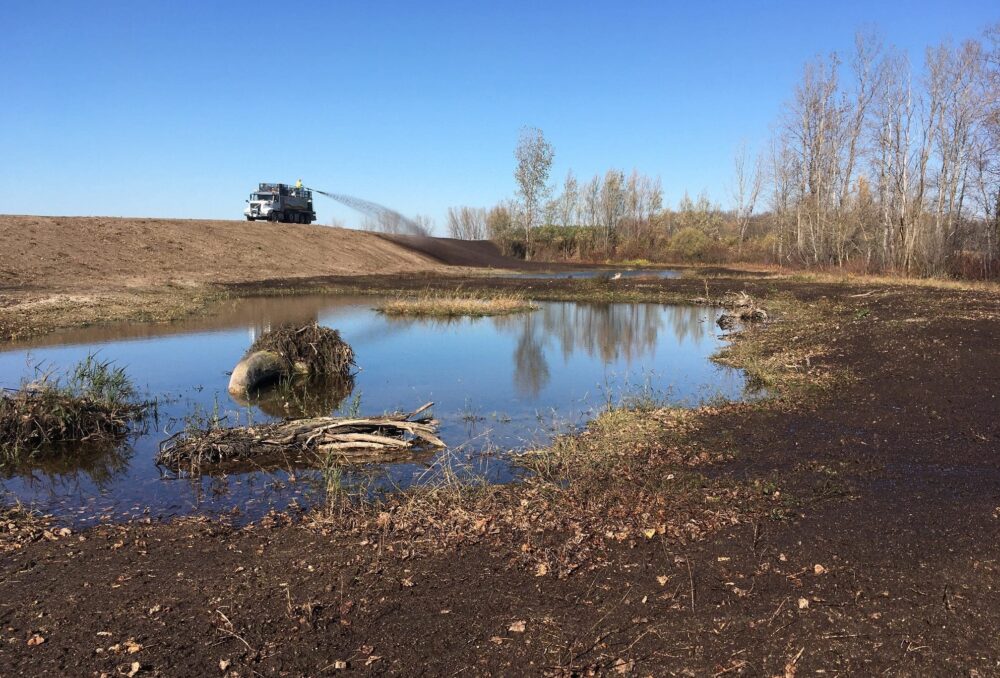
x,y
298,184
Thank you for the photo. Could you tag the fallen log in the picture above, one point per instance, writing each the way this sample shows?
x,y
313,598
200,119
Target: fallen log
x,y
308,440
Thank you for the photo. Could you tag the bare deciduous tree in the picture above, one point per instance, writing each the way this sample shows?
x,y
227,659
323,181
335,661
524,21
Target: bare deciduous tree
x,y
467,223
746,189
534,157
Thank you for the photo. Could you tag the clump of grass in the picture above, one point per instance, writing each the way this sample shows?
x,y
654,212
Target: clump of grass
x,y
431,305
95,402
311,349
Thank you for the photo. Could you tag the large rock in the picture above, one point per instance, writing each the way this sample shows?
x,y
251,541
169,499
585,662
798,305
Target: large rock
x,y
257,369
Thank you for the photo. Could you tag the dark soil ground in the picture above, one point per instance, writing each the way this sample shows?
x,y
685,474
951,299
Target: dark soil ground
x,y
879,454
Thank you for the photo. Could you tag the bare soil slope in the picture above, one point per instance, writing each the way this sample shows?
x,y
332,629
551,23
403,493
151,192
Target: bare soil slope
x,y
105,252
454,252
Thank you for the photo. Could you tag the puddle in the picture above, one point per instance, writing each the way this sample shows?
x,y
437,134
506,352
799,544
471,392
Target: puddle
x,y
498,384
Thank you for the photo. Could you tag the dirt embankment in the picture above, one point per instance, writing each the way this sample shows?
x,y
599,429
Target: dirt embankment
x,y
454,252
75,253
59,272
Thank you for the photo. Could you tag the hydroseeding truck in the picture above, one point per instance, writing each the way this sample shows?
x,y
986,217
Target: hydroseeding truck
x,y
281,202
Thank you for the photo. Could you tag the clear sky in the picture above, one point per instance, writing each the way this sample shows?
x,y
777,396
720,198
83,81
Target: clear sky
x,y
178,109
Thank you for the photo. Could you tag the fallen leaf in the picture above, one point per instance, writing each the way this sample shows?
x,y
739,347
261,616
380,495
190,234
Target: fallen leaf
x,y
819,569
407,582
132,646
541,570
623,667
517,627
155,609
649,532
224,664
136,667
35,640
803,603
497,640
662,580
372,659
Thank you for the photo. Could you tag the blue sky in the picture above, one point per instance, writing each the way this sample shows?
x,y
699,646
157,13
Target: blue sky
x,y
178,109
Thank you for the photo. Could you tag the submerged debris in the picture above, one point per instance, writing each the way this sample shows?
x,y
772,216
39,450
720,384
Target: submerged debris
x,y
311,440
740,308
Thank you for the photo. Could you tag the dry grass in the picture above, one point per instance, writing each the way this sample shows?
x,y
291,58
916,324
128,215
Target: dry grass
x,y
454,306
847,278
634,475
96,402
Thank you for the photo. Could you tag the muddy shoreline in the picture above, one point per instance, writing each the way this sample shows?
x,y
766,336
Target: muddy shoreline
x,y
855,528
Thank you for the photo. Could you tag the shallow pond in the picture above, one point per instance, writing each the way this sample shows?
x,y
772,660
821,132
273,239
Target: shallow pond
x,y
498,383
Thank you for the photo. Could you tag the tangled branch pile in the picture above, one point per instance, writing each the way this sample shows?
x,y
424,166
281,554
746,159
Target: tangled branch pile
x,y
311,440
311,348
740,308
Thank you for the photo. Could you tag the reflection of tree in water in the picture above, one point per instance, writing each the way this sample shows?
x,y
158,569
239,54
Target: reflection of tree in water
x,y
531,372
607,331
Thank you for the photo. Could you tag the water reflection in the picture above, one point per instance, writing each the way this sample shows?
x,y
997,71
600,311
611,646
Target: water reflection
x,y
607,332
85,464
300,396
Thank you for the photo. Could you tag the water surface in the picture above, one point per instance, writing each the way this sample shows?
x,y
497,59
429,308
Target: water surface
x,y
499,384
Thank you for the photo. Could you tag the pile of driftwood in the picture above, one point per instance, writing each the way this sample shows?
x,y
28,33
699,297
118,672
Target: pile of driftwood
x,y
740,307
304,441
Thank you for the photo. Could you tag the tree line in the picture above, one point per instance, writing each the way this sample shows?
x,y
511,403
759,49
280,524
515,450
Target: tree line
x,y
874,165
